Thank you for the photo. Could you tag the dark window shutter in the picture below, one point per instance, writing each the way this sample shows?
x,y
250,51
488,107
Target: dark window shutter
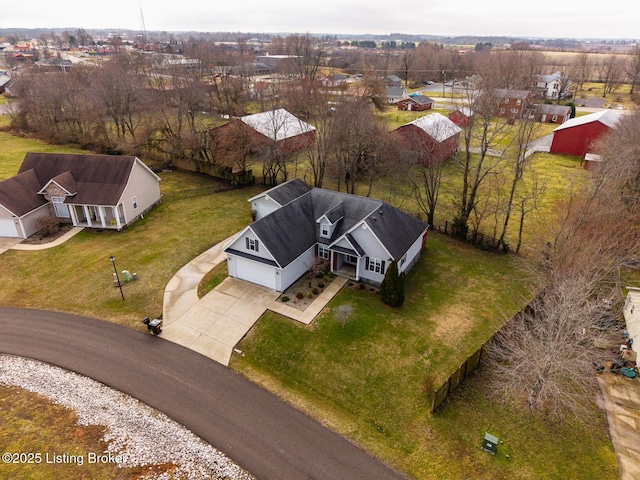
x,y
382,267
256,245
247,240
367,263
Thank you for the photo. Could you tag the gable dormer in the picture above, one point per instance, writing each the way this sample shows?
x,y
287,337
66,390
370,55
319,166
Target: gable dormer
x,y
329,220
62,185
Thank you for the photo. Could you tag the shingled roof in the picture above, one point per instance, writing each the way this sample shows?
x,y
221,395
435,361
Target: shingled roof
x,y
291,230
285,192
19,194
94,179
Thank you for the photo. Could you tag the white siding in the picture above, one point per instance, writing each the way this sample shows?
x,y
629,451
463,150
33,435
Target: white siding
x,y
8,228
240,244
413,254
263,206
251,271
297,268
373,249
30,221
143,185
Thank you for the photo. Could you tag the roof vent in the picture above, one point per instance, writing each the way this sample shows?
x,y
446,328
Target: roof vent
x,y
374,219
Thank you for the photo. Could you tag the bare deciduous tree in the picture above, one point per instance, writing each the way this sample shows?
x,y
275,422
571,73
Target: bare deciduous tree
x,y
543,358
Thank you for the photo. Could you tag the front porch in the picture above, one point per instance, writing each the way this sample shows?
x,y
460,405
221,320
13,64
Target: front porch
x,y
345,264
97,216
347,271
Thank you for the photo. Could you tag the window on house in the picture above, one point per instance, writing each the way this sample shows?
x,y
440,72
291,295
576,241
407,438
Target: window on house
x,y
403,259
324,230
502,111
323,251
62,211
518,102
375,265
134,202
554,118
252,244
506,100
514,110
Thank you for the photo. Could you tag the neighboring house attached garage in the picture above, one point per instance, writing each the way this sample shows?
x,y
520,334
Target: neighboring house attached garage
x,y
95,191
8,225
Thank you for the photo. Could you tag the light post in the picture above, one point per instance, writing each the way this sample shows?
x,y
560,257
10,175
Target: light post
x,y
444,80
115,272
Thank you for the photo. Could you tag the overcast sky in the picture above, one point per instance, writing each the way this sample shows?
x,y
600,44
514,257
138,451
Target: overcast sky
x,y
558,19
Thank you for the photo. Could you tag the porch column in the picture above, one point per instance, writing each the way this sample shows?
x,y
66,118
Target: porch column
x,y
358,269
72,212
103,222
114,211
87,215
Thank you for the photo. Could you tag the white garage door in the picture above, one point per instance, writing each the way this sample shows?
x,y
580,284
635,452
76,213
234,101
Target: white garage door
x,y
7,228
255,272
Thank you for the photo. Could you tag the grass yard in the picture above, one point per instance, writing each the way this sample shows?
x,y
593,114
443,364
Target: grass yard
x,y
15,148
395,118
77,276
370,378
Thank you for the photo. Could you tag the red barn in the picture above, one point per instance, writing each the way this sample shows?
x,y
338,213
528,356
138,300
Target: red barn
x,y
434,137
462,117
575,136
275,127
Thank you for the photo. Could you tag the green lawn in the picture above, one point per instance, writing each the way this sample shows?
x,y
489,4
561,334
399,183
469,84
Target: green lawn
x,y
77,276
15,148
371,378
395,118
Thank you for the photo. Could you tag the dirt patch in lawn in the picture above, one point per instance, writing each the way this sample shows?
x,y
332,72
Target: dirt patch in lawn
x,y
453,323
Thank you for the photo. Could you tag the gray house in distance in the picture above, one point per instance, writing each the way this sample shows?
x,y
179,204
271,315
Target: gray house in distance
x,y
297,226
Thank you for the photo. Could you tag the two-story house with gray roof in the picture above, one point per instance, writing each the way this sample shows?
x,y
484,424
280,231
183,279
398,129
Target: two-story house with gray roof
x,y
358,237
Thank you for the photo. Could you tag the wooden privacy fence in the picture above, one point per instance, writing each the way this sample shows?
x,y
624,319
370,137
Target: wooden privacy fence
x,y
473,237
196,192
469,365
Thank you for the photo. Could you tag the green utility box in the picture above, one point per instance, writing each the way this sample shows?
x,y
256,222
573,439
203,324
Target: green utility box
x,y
490,443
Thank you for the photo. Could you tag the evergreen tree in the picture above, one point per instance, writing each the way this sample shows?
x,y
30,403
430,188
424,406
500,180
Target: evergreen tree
x,y
392,287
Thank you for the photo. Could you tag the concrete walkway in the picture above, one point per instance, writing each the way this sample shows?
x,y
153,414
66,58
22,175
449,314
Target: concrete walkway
x,y
622,404
7,243
215,324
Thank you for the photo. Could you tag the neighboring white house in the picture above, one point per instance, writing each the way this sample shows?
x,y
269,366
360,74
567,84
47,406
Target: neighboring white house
x,y
99,191
395,94
550,86
631,314
357,237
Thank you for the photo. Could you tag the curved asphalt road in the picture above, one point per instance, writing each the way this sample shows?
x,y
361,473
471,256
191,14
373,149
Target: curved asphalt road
x,y
253,427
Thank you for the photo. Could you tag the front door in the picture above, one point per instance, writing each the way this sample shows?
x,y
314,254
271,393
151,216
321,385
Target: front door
x,y
351,259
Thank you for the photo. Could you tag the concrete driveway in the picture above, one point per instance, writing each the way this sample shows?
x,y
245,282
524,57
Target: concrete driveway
x,y
8,242
216,323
